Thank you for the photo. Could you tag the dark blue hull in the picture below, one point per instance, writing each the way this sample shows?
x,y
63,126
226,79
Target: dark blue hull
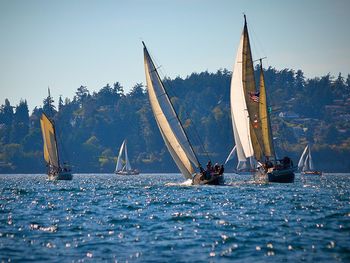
x,y
281,176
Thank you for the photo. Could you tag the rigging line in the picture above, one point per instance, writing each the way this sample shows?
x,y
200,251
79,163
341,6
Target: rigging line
x,y
166,80
194,126
171,104
187,115
256,43
171,92
63,149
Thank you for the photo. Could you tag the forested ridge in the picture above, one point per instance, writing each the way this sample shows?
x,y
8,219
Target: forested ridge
x,y
91,126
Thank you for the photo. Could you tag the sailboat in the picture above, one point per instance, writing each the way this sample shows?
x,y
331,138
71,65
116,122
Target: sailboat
x,y
243,165
251,121
51,155
126,169
172,131
305,164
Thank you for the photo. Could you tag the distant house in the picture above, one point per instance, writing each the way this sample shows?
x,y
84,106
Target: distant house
x,y
288,115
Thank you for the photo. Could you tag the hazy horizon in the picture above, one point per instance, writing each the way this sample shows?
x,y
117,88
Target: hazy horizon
x,y
65,44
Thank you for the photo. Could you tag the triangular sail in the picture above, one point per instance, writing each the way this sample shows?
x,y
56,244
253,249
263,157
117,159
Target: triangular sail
x,y
311,163
167,120
232,154
301,162
264,116
306,166
127,163
249,90
244,110
50,143
119,165
239,111
242,166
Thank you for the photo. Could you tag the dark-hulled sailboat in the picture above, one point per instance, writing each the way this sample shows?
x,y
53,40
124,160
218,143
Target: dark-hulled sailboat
x,y
171,129
251,121
55,170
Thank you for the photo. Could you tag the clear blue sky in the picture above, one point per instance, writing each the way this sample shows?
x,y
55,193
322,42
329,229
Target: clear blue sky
x,y
67,43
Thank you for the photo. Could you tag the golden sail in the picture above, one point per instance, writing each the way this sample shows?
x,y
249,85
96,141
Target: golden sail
x,y
50,143
51,155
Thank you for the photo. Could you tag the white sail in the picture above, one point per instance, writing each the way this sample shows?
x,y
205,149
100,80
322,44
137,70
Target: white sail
x,y
311,163
231,155
239,111
119,165
127,163
242,166
301,163
168,122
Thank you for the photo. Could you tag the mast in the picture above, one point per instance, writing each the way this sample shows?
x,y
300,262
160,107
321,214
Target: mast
x,y
166,93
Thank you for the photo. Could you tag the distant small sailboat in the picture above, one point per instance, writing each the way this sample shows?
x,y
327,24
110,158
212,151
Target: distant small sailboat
x,y
251,121
306,164
174,135
126,169
51,154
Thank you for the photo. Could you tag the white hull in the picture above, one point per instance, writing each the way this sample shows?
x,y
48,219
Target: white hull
x,y
127,172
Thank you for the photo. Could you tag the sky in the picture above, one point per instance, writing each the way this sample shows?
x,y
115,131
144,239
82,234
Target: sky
x,y
68,43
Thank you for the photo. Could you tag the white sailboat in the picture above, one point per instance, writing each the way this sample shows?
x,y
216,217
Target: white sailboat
x,y
51,154
126,168
171,129
306,164
242,164
250,118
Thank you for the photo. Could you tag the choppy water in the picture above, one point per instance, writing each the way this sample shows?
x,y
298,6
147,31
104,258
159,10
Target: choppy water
x,y
152,218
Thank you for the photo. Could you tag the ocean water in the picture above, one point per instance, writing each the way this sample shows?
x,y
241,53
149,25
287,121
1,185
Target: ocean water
x,y
159,218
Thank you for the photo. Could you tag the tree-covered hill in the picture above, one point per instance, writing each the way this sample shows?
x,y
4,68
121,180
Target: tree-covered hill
x,y
91,127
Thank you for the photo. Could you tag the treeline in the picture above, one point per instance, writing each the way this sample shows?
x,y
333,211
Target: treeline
x,y
92,126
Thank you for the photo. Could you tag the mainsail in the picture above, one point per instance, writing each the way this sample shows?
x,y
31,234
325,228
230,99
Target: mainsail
x,y
119,165
245,111
249,125
169,125
305,162
127,163
50,143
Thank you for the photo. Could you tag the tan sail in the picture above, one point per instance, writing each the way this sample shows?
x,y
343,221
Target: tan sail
x,y
248,81
265,118
50,144
168,122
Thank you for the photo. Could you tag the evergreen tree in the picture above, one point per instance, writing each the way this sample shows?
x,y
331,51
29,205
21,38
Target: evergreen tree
x,y
48,106
22,113
81,95
6,113
60,103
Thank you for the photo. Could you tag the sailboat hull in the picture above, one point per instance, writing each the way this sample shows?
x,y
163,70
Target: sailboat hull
x,y
281,176
60,176
199,179
127,172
